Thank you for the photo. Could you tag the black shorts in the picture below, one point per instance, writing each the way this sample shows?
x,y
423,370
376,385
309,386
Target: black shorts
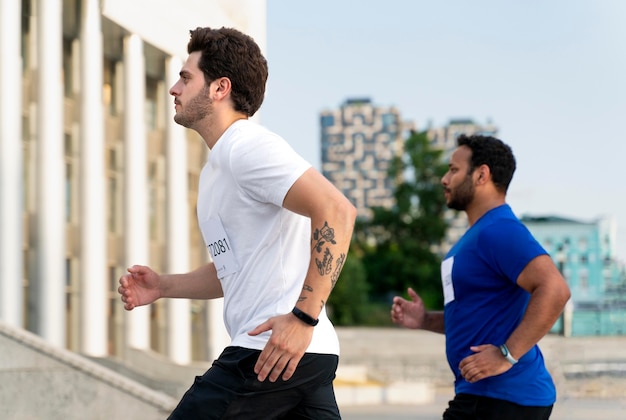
x,y
473,407
230,390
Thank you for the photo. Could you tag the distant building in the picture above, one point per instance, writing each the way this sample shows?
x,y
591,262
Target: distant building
x,y
444,138
359,142
584,252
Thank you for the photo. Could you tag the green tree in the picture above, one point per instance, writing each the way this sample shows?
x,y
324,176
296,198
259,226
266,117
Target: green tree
x,y
348,302
399,246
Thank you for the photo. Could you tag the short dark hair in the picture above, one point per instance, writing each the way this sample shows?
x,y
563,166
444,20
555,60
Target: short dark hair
x,y
227,52
494,153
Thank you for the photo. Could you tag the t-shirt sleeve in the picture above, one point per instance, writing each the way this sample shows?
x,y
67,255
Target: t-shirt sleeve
x,y
509,246
265,167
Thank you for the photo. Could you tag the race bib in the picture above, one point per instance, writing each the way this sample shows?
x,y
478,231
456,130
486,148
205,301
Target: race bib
x,y
446,280
219,247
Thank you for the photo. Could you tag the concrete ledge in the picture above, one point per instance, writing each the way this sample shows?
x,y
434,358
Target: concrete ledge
x,y
410,393
353,387
41,381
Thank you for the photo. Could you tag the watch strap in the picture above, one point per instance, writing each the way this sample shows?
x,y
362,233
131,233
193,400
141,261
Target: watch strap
x,y
507,354
304,317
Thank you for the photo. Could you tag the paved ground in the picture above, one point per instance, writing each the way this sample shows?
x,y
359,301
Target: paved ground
x,y
579,409
589,372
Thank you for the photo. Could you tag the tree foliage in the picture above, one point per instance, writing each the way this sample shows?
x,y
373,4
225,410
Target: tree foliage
x,y
348,302
399,246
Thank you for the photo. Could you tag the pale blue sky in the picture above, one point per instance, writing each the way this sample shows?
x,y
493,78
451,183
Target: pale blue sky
x,y
550,74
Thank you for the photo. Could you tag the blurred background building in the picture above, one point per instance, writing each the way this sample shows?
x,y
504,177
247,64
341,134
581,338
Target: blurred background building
x,y
584,252
359,142
94,174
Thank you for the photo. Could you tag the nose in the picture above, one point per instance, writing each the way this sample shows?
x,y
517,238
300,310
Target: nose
x,y
444,179
174,90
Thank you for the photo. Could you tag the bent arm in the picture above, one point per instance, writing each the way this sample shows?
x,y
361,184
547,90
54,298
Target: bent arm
x,y
201,283
433,321
549,294
332,221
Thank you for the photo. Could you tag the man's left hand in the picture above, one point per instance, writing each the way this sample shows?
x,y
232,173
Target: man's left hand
x,y
486,361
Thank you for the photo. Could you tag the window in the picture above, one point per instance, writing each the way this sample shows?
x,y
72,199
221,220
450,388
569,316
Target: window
x,y
68,67
152,102
328,120
110,87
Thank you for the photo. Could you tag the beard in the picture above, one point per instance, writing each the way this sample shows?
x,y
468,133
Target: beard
x,y
198,108
462,195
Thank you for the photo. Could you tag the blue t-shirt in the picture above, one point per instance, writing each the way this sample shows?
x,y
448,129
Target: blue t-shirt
x,y
488,305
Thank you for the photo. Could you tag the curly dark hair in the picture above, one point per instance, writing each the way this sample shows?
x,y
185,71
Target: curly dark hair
x,y
227,52
494,153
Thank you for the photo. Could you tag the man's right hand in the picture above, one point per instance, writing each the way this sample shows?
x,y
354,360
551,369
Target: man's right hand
x,y
139,287
408,313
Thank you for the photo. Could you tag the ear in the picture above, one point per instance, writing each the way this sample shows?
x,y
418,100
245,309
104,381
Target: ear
x,y
483,174
222,88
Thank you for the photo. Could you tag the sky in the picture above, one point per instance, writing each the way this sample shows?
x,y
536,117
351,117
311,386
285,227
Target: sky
x,y
551,75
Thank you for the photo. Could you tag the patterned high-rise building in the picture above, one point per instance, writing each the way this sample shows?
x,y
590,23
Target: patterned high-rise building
x,y
444,137
359,142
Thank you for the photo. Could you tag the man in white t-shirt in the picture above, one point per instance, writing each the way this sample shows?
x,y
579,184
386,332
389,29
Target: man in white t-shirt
x,y
278,233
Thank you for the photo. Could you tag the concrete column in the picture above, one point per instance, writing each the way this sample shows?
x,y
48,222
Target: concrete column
x,y
179,316
11,165
93,265
51,197
136,233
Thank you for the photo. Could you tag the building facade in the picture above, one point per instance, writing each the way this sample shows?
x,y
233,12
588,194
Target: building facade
x,y
94,174
359,142
584,252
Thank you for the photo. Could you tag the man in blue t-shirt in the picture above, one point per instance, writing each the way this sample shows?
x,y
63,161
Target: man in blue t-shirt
x,y
502,294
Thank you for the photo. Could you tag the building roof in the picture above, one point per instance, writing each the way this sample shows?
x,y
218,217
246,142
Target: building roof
x,y
550,219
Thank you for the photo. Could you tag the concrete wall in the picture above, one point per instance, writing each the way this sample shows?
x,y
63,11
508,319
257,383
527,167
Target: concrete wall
x,y
40,381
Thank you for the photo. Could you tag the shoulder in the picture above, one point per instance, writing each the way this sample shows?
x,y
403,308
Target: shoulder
x,y
508,244
501,226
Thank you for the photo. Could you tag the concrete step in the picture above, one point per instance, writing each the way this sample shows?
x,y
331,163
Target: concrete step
x,y
41,381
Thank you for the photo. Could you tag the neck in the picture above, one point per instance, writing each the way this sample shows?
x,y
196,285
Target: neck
x,y
478,208
212,130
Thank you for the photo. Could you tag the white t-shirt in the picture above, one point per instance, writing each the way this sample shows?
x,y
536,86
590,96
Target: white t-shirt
x,y
260,249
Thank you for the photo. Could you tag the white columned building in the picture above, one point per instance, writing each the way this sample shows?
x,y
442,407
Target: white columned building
x,y
177,247
83,115
11,165
93,238
136,232
50,248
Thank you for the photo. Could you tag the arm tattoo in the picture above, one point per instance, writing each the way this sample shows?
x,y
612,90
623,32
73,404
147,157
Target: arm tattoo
x,y
324,266
340,262
305,288
323,235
